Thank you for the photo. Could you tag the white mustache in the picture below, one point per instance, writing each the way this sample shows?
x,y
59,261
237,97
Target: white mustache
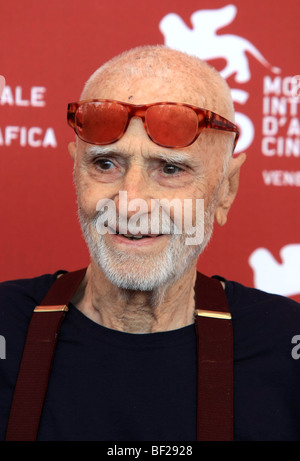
x,y
139,223
155,221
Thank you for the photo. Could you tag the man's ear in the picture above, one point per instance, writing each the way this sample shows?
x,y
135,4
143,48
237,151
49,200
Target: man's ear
x,y
72,149
229,188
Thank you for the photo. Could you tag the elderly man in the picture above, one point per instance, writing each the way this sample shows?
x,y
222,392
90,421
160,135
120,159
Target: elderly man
x,y
154,124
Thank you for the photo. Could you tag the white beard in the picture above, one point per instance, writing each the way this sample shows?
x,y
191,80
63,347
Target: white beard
x,y
143,272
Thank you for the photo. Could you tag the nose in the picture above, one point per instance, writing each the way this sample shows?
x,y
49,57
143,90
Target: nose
x,y
133,202
136,188
134,198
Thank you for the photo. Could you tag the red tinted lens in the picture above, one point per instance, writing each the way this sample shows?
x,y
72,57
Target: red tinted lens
x,y
172,125
101,122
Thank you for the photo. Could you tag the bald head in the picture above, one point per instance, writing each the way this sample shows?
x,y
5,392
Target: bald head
x,y
191,79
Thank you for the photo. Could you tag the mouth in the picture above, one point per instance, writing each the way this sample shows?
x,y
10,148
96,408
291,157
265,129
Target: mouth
x,y
138,236
136,240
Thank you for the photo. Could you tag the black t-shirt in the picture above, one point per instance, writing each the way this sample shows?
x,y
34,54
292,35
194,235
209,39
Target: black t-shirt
x,y
115,386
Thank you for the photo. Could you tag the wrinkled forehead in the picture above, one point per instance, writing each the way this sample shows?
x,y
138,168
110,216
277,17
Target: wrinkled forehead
x,y
140,88
143,81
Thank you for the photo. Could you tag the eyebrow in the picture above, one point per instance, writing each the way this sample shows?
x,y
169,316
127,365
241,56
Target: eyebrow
x,y
170,156
94,151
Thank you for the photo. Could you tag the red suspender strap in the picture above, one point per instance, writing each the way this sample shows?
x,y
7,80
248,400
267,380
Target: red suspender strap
x,y
215,361
37,358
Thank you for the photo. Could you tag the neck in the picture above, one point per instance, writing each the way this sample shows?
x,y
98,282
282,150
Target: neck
x,y
166,308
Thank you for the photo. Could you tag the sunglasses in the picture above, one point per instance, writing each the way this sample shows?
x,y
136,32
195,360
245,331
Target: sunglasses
x,y
168,124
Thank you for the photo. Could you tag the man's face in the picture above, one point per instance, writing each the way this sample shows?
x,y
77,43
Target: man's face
x,y
144,171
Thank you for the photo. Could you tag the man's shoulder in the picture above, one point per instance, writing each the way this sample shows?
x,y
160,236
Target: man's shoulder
x,y
24,294
247,301
248,297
